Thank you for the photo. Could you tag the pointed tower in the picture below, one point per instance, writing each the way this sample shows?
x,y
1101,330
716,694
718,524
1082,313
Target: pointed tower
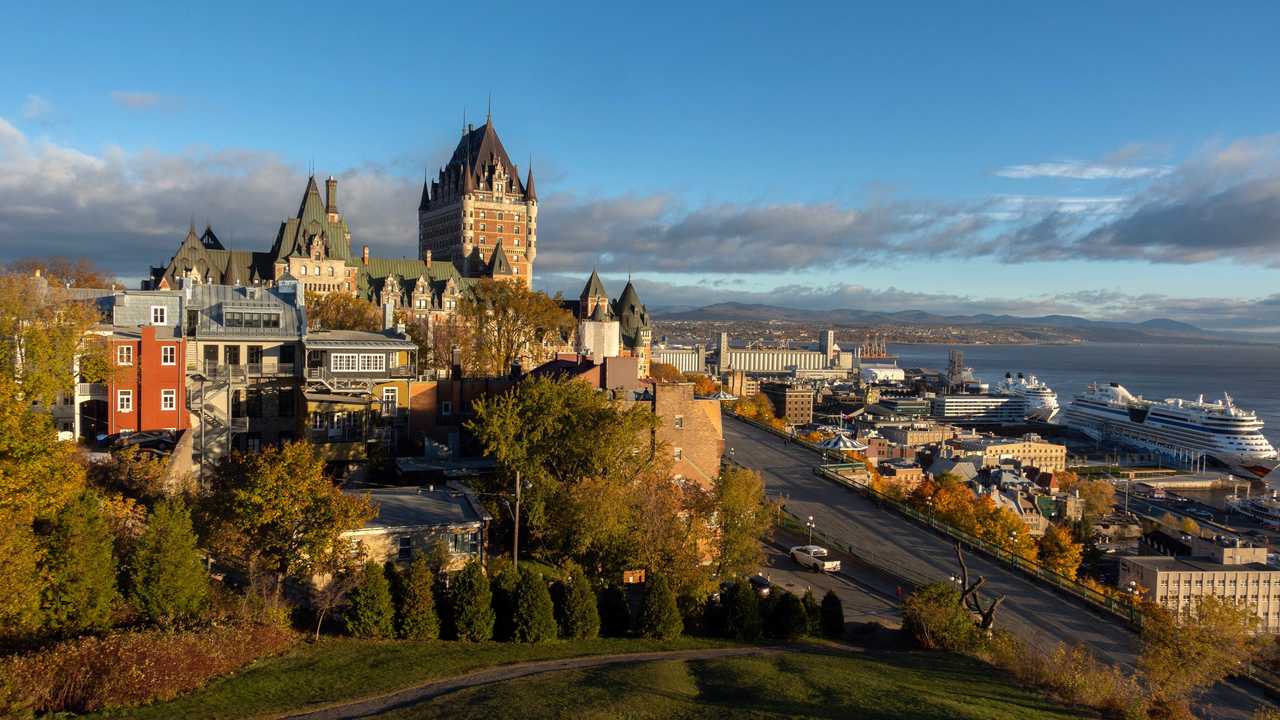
x,y
593,297
479,203
634,325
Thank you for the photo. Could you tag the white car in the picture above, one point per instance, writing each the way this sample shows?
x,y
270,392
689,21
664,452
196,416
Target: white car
x,y
814,557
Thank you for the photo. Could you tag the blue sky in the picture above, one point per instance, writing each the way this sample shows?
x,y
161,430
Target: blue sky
x,y
925,137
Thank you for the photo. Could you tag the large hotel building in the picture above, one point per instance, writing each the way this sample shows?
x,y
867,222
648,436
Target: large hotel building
x,y
477,213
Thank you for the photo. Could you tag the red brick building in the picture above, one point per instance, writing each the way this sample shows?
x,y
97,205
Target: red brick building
x,y
146,389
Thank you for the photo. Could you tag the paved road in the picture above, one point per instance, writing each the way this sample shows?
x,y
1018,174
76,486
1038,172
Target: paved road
x,y
864,598
1034,612
435,688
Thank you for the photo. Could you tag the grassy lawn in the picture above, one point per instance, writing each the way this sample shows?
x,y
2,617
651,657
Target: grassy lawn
x,y
817,684
345,669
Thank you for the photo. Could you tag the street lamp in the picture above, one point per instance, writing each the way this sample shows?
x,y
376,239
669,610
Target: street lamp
x,y
810,525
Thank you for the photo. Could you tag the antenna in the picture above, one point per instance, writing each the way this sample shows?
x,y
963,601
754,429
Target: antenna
x,y
489,109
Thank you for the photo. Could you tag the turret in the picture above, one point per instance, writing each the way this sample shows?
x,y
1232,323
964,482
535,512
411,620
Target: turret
x,y
530,192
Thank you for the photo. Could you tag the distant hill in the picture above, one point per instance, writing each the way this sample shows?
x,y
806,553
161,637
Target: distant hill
x,y
1159,330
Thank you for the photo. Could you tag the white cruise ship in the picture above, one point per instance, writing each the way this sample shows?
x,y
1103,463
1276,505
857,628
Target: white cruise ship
x,y
1174,427
1042,401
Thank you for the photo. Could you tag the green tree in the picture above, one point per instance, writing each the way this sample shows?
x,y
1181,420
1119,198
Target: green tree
x,y
659,614
812,612
81,567
277,507
509,322
417,619
38,474
744,517
1059,552
787,618
168,580
503,586
535,615
615,612
576,502
741,611
832,615
934,617
370,613
579,616
471,604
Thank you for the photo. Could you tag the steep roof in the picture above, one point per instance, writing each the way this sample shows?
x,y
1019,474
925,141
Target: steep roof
x,y
529,190
312,219
594,287
632,315
410,271
499,264
480,147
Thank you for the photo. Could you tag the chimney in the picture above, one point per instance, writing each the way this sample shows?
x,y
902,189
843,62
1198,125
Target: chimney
x,y
331,195
516,371
428,259
364,255
388,316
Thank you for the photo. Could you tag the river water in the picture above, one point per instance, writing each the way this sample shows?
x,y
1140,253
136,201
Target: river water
x,y
1251,374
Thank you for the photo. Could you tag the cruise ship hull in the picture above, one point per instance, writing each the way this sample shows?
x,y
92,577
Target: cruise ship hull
x,y
1135,426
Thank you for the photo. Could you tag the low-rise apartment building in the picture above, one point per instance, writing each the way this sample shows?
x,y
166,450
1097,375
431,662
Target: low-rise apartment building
x,y
1029,450
1228,569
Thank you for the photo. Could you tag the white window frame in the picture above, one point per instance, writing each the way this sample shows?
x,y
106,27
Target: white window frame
x,y
373,362
678,454
679,422
168,400
390,395
344,362
124,401
124,355
168,354
159,315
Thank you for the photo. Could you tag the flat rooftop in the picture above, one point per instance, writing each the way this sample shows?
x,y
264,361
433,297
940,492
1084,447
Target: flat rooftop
x,y
1163,563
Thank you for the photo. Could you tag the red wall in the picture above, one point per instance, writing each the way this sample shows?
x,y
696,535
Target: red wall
x,y
146,377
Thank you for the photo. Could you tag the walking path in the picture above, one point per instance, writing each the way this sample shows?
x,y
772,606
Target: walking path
x,y
435,688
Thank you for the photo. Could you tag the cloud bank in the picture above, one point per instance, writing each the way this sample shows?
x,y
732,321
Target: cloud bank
x,y
130,210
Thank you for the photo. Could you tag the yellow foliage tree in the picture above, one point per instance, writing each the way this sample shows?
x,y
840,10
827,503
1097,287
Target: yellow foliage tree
x,y
1059,552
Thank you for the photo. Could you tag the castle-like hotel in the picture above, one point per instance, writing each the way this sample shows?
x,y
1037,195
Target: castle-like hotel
x,y
477,220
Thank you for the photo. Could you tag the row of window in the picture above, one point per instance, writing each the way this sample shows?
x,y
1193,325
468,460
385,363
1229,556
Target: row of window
x,y
315,270
499,215
168,355
460,543
238,318
353,362
124,400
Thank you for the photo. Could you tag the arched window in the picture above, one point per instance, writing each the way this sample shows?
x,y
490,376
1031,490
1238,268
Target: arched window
x,y
302,270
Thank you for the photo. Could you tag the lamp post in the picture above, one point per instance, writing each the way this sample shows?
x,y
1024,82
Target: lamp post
x,y
810,525
515,543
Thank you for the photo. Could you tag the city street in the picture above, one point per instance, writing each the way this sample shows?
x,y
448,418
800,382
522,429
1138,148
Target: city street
x,y
1035,613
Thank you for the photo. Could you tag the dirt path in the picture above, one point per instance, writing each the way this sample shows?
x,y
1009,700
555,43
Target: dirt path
x,y
435,688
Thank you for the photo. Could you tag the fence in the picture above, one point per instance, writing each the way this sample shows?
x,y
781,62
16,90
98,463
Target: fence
x,y
1118,608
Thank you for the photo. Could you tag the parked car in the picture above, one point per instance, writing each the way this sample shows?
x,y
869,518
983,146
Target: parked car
x,y
761,585
815,558
1201,513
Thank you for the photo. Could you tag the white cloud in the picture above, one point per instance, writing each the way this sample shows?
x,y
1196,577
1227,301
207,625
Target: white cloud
x,y
36,108
1082,171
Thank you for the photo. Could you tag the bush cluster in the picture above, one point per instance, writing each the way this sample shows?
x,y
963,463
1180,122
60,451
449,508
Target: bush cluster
x,y
740,614
127,668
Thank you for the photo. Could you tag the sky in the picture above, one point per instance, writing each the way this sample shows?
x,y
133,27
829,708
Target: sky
x,y
1110,160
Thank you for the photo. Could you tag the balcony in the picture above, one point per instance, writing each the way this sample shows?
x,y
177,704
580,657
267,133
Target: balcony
x,y
239,424
403,371
91,391
336,434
